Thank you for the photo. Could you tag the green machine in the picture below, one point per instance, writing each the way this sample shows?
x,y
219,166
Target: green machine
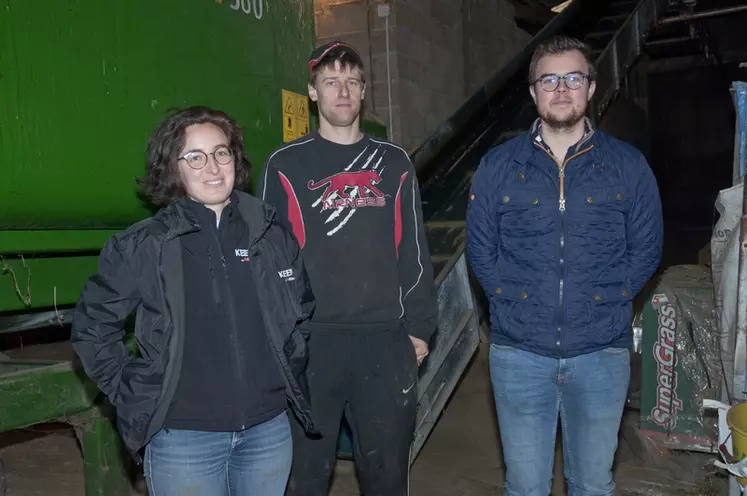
x,y
82,85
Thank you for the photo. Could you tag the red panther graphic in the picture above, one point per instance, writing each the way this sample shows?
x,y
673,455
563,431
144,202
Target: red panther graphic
x,y
338,182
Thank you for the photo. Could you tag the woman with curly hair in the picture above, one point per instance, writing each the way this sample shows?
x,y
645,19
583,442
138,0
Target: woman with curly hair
x,y
220,294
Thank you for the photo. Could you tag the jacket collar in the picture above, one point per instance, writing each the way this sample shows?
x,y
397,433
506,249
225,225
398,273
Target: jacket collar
x,y
528,147
258,215
179,219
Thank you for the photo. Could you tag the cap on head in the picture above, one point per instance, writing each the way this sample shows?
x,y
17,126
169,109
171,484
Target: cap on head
x,y
320,52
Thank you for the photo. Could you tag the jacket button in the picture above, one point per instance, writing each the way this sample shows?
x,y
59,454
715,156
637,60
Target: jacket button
x,y
521,176
499,291
524,295
535,201
590,199
620,196
625,292
505,199
597,297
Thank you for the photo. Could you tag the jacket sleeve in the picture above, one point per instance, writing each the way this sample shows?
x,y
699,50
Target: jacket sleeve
x,y
97,333
643,229
417,283
483,227
301,286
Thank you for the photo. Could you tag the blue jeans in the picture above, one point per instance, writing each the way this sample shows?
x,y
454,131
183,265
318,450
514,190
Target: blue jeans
x,y
253,462
588,391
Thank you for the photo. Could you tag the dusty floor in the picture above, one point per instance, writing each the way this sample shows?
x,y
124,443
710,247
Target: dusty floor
x,y
461,458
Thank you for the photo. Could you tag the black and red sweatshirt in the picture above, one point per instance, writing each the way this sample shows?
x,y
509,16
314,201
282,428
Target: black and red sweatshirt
x,y
355,211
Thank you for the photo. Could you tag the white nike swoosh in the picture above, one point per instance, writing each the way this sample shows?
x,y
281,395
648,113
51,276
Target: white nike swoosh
x,y
405,391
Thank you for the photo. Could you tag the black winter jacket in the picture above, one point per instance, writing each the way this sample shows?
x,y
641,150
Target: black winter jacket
x,y
141,269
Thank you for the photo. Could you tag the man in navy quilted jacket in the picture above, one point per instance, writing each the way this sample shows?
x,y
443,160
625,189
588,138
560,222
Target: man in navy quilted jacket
x,y
564,227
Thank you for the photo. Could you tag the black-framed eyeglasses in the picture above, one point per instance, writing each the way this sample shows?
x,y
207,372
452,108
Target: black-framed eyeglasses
x,y
199,159
550,82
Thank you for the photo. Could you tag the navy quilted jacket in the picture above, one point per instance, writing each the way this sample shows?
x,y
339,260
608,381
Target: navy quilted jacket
x,y
562,251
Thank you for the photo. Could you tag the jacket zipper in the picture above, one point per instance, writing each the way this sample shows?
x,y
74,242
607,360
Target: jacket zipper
x,y
213,279
561,207
561,171
233,331
161,280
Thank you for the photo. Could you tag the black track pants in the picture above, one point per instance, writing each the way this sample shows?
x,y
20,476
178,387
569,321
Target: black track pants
x,y
370,376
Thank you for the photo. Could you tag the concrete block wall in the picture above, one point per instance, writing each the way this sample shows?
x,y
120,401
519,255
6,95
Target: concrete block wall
x,y
440,52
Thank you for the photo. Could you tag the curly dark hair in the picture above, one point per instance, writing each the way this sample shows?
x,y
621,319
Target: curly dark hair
x,y
162,184
558,45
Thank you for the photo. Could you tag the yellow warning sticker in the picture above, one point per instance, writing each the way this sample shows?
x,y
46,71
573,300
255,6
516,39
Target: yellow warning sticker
x,y
302,104
289,116
295,115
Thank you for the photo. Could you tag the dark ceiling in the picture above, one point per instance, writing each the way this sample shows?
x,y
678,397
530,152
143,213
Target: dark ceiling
x,y
715,35
711,31
531,15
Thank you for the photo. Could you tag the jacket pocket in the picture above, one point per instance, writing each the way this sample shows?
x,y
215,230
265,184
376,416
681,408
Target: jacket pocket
x,y
611,304
522,199
515,290
521,212
610,292
137,376
519,308
603,210
137,398
606,196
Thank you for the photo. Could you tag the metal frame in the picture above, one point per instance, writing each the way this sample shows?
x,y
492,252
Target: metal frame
x,y
453,346
35,391
622,51
36,320
694,16
44,282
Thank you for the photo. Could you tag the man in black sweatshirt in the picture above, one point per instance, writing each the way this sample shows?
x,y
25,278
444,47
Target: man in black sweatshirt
x,y
353,203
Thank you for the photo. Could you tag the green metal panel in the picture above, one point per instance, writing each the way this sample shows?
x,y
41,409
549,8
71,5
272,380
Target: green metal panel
x,y
374,128
83,83
35,392
105,459
43,282
53,241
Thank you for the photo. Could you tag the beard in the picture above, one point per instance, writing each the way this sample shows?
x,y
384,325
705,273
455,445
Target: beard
x,y
563,123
